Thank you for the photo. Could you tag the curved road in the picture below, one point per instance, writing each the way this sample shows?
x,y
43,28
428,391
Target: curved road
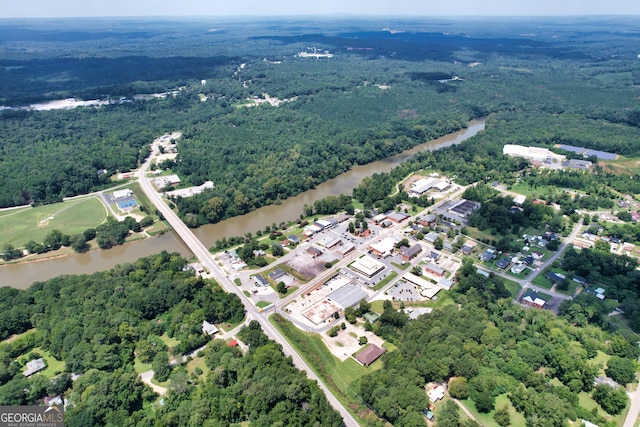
x,y
202,253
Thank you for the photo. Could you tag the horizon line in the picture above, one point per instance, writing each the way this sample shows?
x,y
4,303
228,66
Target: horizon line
x,y
328,15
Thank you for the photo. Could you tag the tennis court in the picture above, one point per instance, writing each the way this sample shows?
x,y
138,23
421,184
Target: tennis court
x,y
127,204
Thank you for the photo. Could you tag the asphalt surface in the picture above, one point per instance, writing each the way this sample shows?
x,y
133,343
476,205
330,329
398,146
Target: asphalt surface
x,y
204,257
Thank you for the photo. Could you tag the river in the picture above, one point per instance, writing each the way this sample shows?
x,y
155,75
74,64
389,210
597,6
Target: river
x,y
21,275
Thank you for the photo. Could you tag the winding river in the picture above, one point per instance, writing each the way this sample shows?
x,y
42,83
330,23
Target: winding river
x,y
21,275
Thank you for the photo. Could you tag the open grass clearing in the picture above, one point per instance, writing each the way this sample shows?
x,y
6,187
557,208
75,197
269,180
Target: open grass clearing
x,y
198,362
18,226
170,342
54,366
513,288
486,420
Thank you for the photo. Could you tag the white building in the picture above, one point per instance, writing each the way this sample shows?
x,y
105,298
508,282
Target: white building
x,y
121,194
532,153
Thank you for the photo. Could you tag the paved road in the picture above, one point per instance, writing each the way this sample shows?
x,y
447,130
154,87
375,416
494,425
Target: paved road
x,y
203,255
146,376
634,410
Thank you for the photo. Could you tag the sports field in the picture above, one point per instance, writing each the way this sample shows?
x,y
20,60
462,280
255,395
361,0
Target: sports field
x,y
18,226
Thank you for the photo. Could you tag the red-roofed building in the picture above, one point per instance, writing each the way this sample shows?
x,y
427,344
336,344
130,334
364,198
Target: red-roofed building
x,y
232,343
370,354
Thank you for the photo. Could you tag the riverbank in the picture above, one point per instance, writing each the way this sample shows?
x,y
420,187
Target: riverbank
x,y
22,274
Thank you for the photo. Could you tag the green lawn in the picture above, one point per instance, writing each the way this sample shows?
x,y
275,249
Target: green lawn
x,y
386,280
542,281
19,226
486,420
337,375
170,342
263,304
54,366
601,359
198,362
513,288
140,367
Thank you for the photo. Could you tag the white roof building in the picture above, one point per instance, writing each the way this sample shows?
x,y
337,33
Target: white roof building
x,y
34,366
209,328
519,199
367,266
121,194
384,247
423,185
531,153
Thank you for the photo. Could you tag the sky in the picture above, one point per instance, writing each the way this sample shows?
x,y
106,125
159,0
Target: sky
x,y
97,8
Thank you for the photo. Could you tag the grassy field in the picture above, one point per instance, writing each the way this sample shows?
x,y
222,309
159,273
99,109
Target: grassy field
x,y
54,366
513,288
486,420
542,282
337,375
198,362
18,226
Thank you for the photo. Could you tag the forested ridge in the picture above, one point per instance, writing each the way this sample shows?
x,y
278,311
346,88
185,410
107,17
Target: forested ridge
x,y
378,95
101,325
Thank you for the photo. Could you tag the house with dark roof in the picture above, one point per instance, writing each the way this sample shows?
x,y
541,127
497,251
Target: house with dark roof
x,y
313,251
466,249
486,256
555,277
435,256
370,354
503,263
408,253
276,274
581,280
532,299
260,280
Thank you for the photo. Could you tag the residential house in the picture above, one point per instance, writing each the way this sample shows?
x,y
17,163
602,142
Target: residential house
x,y
466,249
486,256
537,255
503,263
431,237
580,280
33,366
209,328
555,277
518,268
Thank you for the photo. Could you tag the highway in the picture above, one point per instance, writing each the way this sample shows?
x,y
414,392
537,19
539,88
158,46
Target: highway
x,y
204,257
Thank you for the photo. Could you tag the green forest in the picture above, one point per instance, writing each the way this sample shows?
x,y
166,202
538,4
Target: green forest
x,y
101,326
485,347
359,106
